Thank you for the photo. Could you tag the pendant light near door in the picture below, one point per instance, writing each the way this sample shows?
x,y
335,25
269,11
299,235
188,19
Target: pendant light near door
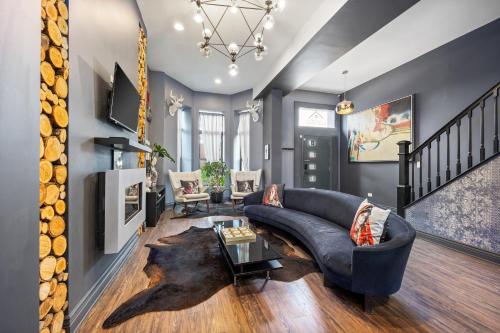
x,y
345,107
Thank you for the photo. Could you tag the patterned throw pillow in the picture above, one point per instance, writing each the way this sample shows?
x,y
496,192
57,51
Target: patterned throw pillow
x,y
190,186
244,186
273,195
369,224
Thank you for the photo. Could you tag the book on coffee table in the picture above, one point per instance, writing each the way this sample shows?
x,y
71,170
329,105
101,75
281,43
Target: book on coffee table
x,y
238,235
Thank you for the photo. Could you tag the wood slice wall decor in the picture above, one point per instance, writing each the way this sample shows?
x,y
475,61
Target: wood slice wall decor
x,y
54,71
143,88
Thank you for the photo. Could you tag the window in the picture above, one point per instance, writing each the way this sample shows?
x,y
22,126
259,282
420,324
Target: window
x,y
211,137
242,143
310,117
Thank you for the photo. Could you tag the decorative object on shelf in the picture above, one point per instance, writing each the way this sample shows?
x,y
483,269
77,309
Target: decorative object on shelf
x,y
215,173
254,108
53,222
373,134
345,107
232,50
142,83
266,152
174,103
157,153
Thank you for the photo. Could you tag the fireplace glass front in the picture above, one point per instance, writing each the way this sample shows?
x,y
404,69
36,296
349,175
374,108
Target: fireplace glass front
x,y
133,201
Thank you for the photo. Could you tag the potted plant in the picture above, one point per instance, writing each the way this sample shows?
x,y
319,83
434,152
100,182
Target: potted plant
x,y
157,153
214,174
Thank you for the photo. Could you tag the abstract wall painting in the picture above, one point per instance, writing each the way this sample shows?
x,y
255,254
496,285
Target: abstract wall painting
x,y
373,134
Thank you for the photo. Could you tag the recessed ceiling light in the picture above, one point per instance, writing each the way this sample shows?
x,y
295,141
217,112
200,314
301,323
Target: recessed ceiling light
x,y
178,26
217,81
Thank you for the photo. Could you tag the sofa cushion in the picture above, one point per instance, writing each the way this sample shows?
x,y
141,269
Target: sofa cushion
x,y
244,186
273,195
330,242
369,224
190,186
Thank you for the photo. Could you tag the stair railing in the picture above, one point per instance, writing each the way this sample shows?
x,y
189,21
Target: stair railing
x,y
406,190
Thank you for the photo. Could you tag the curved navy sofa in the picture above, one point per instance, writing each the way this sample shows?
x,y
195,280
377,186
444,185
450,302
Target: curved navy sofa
x,y
321,220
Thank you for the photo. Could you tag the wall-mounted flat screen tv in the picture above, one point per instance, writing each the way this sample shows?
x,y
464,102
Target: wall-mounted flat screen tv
x,y
124,106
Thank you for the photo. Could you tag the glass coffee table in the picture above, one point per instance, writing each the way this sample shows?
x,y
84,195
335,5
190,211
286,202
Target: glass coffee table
x,y
247,258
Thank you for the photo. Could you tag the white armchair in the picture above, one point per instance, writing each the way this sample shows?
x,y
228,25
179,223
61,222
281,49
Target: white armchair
x,y
244,176
178,190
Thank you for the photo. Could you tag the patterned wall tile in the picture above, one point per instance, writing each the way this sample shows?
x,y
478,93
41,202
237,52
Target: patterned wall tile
x,y
467,210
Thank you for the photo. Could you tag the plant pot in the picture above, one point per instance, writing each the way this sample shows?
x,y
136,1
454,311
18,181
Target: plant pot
x,y
216,197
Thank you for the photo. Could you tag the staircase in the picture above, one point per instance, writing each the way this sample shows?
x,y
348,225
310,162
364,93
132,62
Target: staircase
x,y
470,142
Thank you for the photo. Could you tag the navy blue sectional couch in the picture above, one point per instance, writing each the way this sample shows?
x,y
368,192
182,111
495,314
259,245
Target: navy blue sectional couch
x,y
321,220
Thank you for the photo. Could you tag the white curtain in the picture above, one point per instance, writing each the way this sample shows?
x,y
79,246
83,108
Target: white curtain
x,y
212,135
244,140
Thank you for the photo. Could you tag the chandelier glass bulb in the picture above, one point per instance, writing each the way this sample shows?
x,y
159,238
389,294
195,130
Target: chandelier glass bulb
x,y
198,17
233,69
280,5
258,39
345,107
234,6
233,48
258,55
207,33
268,22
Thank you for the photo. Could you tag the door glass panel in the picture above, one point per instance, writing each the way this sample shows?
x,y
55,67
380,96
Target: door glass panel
x,y
312,178
312,154
311,143
312,166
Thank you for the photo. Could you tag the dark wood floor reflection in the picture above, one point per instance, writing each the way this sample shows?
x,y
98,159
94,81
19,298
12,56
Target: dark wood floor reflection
x,y
443,291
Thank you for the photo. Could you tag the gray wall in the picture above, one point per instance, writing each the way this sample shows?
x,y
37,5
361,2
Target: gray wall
x,y
288,127
97,41
444,81
273,110
19,128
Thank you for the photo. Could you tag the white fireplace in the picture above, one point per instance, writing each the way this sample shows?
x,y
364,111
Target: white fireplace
x,y
125,205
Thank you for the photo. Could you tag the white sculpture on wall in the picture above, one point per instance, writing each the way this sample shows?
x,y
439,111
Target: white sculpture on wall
x,y
254,109
174,103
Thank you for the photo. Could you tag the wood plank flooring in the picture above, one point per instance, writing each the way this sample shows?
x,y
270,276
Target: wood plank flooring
x,y
443,291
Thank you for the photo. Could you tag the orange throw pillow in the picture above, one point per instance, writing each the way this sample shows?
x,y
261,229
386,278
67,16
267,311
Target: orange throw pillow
x,y
368,224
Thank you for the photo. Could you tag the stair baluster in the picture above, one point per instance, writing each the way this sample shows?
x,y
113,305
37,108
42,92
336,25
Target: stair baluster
x,y
429,184
438,176
482,150
469,154
495,119
459,165
448,172
413,178
420,187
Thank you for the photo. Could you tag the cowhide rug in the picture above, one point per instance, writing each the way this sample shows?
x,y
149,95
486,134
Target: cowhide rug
x,y
188,268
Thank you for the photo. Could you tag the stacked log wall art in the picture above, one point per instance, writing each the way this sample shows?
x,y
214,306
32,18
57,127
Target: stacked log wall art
x,y
143,88
54,71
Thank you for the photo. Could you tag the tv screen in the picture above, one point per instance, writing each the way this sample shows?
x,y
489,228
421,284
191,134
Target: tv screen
x,y
124,109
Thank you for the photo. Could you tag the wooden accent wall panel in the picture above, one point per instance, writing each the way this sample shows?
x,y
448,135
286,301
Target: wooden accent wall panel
x,y
143,88
54,71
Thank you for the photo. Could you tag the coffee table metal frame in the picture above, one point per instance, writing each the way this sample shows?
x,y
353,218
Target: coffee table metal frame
x,y
245,269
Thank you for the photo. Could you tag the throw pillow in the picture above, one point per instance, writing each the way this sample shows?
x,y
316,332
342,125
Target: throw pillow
x,y
273,195
190,187
369,224
245,186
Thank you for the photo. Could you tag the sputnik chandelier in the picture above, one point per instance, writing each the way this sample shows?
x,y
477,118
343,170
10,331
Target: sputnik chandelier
x,y
255,40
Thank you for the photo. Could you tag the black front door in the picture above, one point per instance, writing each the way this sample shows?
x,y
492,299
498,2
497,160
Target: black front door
x,y
316,158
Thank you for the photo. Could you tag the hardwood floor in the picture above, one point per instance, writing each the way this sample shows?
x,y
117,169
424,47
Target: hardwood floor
x,y
443,291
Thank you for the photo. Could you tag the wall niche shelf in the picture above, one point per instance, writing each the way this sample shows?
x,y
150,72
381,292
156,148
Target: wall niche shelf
x,y
123,144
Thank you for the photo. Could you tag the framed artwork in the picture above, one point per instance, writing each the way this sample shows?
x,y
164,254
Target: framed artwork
x,y
266,152
373,134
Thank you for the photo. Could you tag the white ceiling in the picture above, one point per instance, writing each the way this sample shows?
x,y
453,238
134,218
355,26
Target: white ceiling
x,y
176,53
422,28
